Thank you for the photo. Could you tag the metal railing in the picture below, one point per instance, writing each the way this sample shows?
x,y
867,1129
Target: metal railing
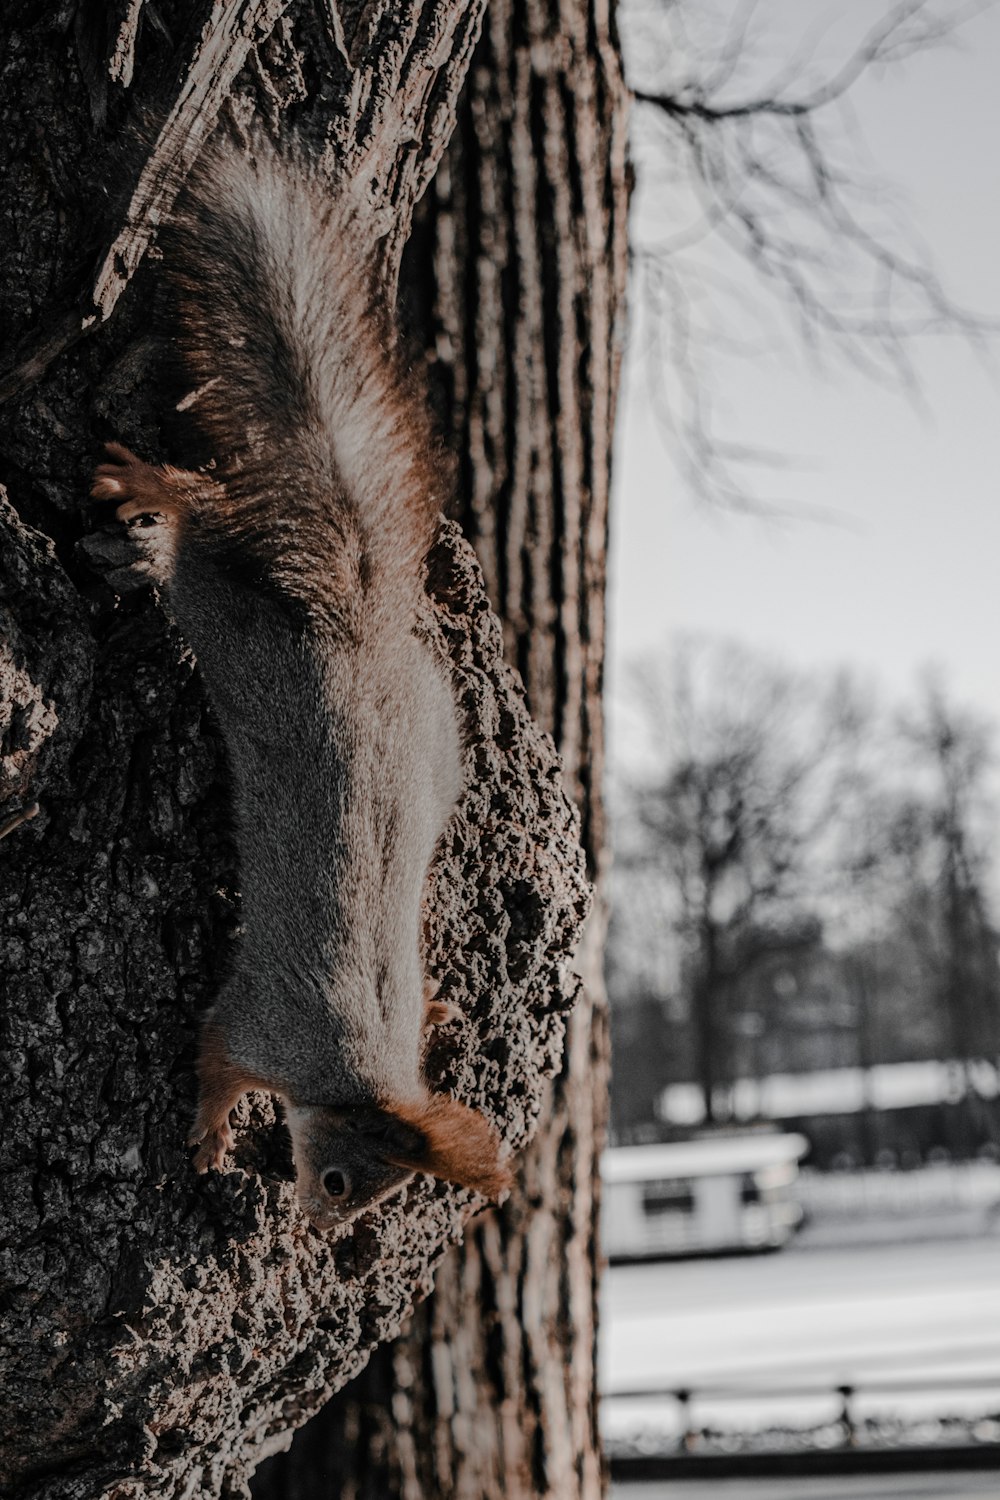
x,y
846,1395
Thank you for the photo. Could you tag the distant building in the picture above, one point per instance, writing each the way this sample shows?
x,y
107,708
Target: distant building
x,y
701,1197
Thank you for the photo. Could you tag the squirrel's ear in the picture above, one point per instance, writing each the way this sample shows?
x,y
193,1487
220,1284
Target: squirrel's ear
x,y
457,1144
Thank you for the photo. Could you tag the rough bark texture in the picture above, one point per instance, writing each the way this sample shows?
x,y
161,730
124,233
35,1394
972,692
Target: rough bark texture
x,y
515,280
163,1333
381,82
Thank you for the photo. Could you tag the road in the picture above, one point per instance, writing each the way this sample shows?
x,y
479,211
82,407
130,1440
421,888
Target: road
x,y
806,1318
847,1487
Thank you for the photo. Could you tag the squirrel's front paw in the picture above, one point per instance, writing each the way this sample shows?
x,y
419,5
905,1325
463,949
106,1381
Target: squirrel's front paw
x,y
125,479
213,1142
141,489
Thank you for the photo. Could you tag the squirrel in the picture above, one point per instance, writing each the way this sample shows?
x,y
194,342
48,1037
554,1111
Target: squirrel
x,y
293,565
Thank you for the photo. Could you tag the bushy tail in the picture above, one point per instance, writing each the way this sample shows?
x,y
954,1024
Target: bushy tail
x,y
457,1144
296,384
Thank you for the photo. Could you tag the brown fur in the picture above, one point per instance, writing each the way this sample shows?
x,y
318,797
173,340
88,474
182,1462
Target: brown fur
x,y
306,348
143,490
440,1012
460,1145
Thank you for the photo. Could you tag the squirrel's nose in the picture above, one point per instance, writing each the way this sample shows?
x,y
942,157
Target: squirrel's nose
x,y
333,1205
323,1215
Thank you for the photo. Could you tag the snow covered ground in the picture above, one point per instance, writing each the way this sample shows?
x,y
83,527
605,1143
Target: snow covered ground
x,y
838,1487
763,1340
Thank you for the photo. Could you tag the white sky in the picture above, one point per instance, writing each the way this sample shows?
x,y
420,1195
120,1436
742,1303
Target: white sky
x,y
911,575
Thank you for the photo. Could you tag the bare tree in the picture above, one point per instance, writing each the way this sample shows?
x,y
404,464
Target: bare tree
x,y
753,763
777,837
948,837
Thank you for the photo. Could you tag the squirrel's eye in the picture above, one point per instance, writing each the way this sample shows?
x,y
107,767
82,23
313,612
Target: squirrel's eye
x,y
336,1183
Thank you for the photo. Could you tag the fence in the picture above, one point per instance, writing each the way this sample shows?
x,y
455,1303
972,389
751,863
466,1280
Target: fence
x,y
837,1444
844,1440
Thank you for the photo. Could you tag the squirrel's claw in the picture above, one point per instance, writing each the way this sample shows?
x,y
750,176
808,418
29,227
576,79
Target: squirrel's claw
x,y
213,1144
142,489
116,480
440,1012
437,1012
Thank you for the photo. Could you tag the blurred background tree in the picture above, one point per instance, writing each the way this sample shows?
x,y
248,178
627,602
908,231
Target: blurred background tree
x,y
803,880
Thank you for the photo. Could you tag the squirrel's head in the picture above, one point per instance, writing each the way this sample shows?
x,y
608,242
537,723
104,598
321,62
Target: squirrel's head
x,y
347,1160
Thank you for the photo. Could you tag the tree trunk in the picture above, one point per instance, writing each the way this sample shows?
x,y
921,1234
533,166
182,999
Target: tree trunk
x,y
514,280
164,1333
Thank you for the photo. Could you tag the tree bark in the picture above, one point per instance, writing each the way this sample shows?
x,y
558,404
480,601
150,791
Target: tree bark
x,y
164,1333
514,281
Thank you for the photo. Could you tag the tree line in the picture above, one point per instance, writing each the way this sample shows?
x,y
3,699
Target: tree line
x,y
803,878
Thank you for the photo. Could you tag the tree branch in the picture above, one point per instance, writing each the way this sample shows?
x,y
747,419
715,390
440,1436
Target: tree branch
x,y
763,165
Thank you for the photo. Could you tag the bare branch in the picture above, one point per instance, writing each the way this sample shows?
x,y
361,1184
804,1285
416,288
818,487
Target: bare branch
x,y
779,184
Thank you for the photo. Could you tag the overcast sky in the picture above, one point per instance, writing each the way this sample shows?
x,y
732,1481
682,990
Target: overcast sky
x,y
908,572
